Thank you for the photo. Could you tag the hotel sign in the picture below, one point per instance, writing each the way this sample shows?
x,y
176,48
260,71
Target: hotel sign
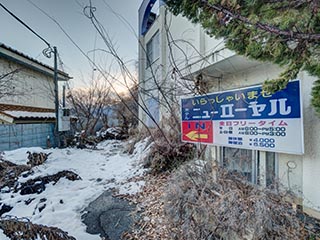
x,y
246,118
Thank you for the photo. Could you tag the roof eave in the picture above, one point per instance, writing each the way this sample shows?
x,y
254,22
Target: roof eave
x,y
24,60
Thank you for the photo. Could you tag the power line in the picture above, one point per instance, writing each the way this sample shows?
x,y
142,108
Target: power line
x,y
29,28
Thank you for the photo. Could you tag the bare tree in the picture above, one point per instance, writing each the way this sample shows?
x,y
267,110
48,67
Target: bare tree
x,y
89,104
8,84
124,116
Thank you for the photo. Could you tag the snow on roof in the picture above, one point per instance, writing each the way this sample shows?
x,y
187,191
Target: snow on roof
x,y
27,114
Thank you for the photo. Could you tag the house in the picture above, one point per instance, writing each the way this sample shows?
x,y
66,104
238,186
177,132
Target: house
x,y
178,59
27,100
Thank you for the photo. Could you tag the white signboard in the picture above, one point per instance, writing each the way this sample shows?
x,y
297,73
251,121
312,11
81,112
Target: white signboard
x,y
246,118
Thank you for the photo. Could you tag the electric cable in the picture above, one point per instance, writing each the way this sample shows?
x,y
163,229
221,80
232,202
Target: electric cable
x,y
29,28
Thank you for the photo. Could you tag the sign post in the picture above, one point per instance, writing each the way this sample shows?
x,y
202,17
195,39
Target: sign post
x,y
247,118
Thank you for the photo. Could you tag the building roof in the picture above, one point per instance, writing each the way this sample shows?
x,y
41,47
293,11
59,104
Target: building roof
x,y
27,114
23,59
14,113
9,107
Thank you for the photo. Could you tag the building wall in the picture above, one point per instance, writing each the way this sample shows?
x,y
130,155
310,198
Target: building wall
x,y
150,77
290,179
311,158
190,50
32,88
298,173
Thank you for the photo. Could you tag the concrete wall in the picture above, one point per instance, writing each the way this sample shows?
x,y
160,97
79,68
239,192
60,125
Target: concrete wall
x,y
148,76
31,88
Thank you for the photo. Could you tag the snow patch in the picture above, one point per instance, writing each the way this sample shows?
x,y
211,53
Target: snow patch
x,y
65,201
3,236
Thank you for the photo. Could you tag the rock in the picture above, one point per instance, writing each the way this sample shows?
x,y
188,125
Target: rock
x,y
5,189
42,207
28,201
99,179
146,219
109,216
4,208
37,185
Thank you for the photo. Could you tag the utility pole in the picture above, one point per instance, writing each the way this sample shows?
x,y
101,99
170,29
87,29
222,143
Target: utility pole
x,y
56,97
55,75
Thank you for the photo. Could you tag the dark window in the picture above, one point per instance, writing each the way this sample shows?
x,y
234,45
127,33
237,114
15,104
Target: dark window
x,y
258,167
239,161
153,49
270,168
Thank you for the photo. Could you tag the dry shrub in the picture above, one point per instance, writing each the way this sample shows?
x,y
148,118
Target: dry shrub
x,y
203,205
9,173
168,152
164,157
36,159
18,229
166,149
135,136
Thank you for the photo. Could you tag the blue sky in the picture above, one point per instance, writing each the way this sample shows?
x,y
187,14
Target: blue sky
x,y
69,13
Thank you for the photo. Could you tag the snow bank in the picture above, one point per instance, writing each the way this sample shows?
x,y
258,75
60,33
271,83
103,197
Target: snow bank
x,y
64,202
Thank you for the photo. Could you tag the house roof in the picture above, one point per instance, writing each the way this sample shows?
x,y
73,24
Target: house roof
x,y
13,113
9,107
23,59
26,114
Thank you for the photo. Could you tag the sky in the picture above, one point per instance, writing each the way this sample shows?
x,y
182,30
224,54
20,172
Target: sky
x,y
69,14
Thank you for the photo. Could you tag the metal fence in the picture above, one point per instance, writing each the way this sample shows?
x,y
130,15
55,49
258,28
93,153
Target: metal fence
x,y
25,135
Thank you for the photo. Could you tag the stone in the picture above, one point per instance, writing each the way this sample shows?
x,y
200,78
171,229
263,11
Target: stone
x,y
109,216
4,208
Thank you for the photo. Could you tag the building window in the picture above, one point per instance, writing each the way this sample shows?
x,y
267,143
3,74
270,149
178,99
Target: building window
x,y
239,161
151,19
271,169
153,107
153,49
257,167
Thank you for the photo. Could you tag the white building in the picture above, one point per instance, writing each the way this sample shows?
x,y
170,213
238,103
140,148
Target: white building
x,y
27,100
179,58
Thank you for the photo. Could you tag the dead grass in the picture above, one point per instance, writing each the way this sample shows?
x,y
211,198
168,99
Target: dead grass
x,y
202,205
23,229
150,208
9,173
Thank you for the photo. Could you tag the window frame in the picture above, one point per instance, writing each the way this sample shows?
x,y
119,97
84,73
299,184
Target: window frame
x,y
258,165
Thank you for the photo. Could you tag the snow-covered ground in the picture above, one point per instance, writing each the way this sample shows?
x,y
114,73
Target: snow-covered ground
x,y
102,169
